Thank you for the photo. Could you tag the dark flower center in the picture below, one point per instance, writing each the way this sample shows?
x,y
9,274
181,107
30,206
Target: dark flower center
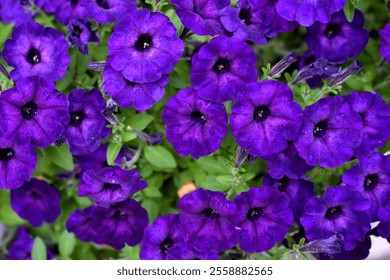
x,y
23,2
261,113
221,66
74,2
111,187
6,154
210,213
35,195
283,184
320,129
144,43
76,31
103,4
246,16
370,182
33,56
76,118
332,30
29,110
198,117
254,214
166,245
333,213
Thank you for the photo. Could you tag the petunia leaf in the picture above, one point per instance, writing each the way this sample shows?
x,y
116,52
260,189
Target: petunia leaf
x,y
60,156
39,250
160,157
66,244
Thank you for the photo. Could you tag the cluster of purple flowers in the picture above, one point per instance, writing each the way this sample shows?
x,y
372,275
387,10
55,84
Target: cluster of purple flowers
x,y
265,120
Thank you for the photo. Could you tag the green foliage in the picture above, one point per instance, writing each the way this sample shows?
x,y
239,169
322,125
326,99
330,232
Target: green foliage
x,y
39,250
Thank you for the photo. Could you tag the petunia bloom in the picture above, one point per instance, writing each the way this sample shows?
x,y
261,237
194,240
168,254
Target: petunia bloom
x,y
35,111
371,177
340,210
209,220
160,237
105,11
306,12
87,125
144,46
110,185
385,42
65,10
201,16
375,114
265,117
222,67
298,191
264,218
80,34
17,163
81,223
338,40
15,11
183,251
37,202
195,126
330,132
141,96
35,50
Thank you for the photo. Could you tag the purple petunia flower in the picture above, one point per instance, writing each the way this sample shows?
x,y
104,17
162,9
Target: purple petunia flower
x,y
340,210
105,11
375,114
144,46
122,224
265,117
17,163
287,163
209,220
81,223
264,218
255,20
195,126
330,132
384,216
15,11
372,179
183,251
222,67
385,42
360,252
338,40
37,202
298,191
141,96
80,34
87,125
35,50
35,111
65,10
159,238
110,185
306,12
201,16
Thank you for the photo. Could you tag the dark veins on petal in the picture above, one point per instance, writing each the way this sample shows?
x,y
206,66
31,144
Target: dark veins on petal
x,y
29,110
221,66
166,245
320,129
103,4
333,213
144,43
283,184
246,16
6,154
76,31
111,187
370,182
33,56
76,118
261,113
198,117
254,214
332,30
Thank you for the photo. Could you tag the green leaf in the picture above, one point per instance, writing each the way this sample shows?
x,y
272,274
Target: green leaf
x,y
152,192
159,156
39,250
7,215
152,208
60,156
349,10
66,244
214,183
139,122
113,152
213,166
